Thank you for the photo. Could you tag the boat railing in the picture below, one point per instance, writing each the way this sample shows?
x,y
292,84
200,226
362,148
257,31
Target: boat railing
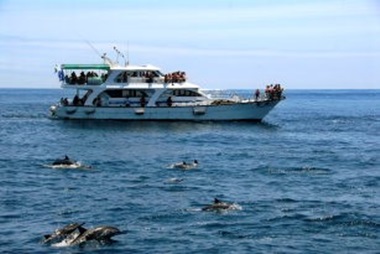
x,y
242,95
231,95
159,80
135,102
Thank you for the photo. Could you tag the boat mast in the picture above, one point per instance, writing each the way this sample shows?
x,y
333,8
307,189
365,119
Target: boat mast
x,y
127,54
119,54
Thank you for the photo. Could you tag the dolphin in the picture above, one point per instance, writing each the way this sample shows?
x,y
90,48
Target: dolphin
x,y
174,180
184,165
219,205
65,161
62,233
101,234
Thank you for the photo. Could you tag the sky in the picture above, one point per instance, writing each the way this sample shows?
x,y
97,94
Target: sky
x,y
225,44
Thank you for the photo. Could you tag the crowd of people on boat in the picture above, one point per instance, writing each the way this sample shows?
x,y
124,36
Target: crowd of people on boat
x,y
174,77
76,100
147,76
83,78
274,92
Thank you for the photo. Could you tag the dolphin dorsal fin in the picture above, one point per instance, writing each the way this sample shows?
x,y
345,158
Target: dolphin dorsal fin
x,y
81,229
216,200
47,236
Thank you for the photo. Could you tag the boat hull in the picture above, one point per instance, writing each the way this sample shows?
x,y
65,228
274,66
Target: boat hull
x,y
249,111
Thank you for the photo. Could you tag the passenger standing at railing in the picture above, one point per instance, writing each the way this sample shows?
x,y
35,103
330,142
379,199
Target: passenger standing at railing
x,y
269,92
67,79
169,101
76,100
183,76
73,78
149,77
142,101
175,77
277,90
257,94
82,79
168,78
64,101
104,76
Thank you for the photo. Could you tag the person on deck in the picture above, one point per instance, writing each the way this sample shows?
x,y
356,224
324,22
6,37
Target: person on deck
x,y
142,101
169,101
257,94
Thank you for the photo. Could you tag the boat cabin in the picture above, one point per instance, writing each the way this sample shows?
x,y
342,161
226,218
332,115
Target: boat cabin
x,y
131,85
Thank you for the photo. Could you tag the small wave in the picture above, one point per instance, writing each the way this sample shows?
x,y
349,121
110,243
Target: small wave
x,y
351,119
193,210
163,216
321,218
286,218
238,235
174,180
345,220
235,207
287,200
66,242
77,165
300,170
24,116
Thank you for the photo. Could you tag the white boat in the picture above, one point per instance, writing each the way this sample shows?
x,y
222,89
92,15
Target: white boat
x,y
143,92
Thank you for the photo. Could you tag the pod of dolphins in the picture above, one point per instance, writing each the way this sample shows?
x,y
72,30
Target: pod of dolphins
x,y
75,234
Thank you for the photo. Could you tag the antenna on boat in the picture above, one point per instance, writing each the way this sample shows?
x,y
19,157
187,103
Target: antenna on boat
x,y
127,63
119,54
106,59
93,48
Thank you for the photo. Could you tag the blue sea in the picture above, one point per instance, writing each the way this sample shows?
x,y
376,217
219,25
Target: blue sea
x,y
307,178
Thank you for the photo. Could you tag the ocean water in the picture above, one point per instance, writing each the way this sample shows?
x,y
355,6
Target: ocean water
x,y
307,178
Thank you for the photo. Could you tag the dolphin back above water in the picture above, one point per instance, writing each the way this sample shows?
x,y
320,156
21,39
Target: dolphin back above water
x,y
185,165
65,161
74,234
219,205
62,233
101,234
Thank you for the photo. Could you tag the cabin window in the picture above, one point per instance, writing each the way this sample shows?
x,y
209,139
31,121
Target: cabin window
x,y
114,93
124,77
185,93
131,93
